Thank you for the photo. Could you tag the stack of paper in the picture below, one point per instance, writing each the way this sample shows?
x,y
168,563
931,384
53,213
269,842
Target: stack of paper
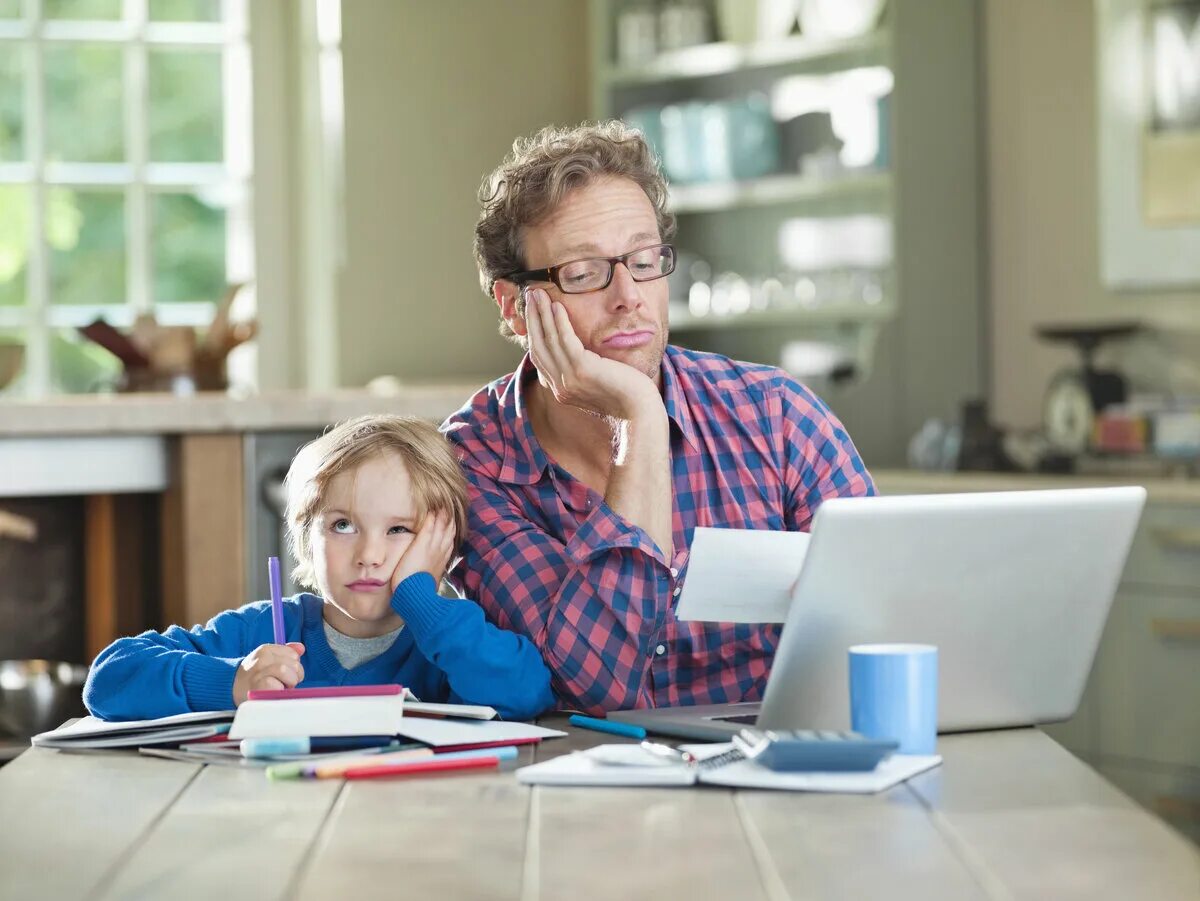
x,y
376,715
90,733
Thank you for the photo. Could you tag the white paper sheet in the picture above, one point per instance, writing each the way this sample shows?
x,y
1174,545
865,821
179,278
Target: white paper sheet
x,y
584,768
741,575
440,733
747,774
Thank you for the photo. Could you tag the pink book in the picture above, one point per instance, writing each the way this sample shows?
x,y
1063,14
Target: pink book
x,y
327,691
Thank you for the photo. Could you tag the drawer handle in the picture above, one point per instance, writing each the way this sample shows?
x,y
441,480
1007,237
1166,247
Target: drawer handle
x,y
1181,539
1177,629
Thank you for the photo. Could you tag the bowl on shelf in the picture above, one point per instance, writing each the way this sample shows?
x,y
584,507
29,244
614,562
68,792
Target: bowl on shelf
x,y
12,357
39,695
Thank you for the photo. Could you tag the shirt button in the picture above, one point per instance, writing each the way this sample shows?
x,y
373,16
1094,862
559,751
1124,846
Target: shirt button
x,y
678,588
660,650
674,573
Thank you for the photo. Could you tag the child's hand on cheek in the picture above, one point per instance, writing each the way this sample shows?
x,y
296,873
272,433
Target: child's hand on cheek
x,y
269,666
429,551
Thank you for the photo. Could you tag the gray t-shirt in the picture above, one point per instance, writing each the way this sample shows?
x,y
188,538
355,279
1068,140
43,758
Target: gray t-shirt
x,y
352,652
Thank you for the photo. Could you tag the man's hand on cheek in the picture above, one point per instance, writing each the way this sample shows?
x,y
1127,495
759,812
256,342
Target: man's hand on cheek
x,y
575,375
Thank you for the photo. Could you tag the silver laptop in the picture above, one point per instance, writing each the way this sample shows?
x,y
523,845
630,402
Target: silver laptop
x,y
1013,587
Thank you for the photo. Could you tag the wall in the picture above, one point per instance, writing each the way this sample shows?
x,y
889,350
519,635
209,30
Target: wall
x,y
435,94
1043,197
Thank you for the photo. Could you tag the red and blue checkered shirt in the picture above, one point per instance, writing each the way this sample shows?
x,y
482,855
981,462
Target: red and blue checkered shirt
x,y
751,448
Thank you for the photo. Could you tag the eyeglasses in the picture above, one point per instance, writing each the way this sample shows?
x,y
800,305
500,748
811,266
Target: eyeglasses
x,y
583,276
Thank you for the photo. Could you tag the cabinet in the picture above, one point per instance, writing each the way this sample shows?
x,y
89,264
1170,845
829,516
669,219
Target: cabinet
x,y
889,329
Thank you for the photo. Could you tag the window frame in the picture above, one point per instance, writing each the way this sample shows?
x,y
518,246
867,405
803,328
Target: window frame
x,y
136,177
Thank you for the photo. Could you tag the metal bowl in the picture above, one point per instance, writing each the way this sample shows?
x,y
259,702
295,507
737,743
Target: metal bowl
x,y
39,695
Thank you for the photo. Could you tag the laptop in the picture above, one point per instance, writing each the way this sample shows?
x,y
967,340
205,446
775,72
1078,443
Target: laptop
x,y
1013,587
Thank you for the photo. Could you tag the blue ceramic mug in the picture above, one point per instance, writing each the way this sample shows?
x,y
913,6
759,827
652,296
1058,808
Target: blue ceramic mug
x,y
893,694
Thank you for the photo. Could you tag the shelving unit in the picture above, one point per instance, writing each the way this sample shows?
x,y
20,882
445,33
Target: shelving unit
x,y
833,314
724,58
871,186
918,350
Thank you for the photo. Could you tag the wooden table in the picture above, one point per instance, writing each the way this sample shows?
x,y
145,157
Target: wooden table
x,y
1009,815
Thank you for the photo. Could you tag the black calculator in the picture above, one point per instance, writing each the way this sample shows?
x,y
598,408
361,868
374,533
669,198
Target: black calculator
x,y
808,750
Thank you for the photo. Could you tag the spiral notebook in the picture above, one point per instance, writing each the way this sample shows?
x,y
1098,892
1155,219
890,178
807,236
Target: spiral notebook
x,y
718,766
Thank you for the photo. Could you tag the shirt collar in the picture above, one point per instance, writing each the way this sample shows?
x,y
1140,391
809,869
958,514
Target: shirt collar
x,y
525,461
675,393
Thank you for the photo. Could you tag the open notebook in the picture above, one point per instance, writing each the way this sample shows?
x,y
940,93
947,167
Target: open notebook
x,y
718,765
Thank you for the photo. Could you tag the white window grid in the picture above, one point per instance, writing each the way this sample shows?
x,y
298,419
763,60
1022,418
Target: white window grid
x,y
140,178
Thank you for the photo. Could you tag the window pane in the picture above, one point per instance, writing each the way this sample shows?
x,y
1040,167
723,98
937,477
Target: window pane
x,y
12,102
189,249
185,107
11,9
185,10
84,84
12,360
14,243
87,257
82,9
78,366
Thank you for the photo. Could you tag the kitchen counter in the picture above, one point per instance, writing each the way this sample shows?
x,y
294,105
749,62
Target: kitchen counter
x,y
149,413
912,481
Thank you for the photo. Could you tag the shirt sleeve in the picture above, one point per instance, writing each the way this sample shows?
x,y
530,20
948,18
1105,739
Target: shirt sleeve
x,y
180,670
593,606
483,664
820,459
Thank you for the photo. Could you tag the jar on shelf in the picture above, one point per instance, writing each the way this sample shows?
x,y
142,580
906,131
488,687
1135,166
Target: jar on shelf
x,y
683,23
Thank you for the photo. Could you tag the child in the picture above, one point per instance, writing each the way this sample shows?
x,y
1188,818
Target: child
x,y
376,509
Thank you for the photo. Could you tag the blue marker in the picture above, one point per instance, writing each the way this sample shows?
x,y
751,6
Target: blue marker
x,y
276,747
590,722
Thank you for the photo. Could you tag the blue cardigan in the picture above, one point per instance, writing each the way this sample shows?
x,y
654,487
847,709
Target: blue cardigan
x,y
446,652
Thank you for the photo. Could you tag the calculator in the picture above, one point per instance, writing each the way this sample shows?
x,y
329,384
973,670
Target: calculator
x,y
811,750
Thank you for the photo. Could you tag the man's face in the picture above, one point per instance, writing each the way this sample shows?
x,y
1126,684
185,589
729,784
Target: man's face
x,y
627,321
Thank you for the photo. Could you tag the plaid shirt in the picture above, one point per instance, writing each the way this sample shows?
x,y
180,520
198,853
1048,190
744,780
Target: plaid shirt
x,y
751,448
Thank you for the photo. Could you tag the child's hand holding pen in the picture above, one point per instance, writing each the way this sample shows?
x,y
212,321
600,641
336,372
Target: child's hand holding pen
x,y
429,551
269,666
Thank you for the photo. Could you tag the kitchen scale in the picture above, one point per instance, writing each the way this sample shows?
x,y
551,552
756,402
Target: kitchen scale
x,y
1075,396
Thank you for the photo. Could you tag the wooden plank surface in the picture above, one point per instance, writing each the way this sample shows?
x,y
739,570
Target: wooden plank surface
x,y
854,846
1010,815
1043,825
444,836
68,820
230,834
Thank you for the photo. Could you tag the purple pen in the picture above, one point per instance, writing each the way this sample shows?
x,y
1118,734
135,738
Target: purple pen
x,y
276,600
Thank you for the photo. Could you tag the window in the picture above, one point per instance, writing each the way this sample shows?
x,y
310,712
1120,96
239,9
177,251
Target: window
x,y
125,165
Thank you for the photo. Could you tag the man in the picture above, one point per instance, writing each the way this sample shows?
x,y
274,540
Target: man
x,y
590,466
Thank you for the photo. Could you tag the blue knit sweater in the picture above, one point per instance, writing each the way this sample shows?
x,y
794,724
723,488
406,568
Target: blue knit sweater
x,y
446,652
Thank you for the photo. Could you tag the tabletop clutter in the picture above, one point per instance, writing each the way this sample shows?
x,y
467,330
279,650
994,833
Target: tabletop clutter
x,y
174,358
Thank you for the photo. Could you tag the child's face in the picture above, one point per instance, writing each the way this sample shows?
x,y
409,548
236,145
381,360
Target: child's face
x,y
366,521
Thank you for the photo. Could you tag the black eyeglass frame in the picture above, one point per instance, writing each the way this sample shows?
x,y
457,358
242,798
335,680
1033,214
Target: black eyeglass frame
x,y
550,273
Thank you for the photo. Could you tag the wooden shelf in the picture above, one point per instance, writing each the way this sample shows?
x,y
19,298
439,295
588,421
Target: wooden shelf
x,y
707,60
774,189
833,314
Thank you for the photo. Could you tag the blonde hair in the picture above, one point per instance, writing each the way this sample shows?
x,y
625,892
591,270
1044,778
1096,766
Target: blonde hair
x,y
542,169
438,485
